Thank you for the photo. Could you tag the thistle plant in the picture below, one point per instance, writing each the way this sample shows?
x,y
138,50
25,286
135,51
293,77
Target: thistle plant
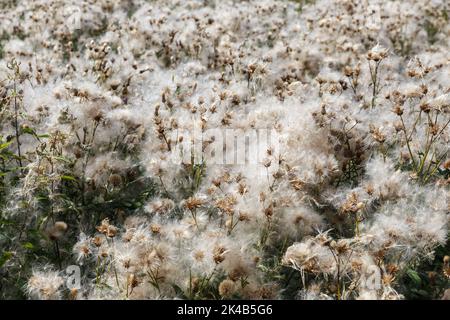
x,y
202,153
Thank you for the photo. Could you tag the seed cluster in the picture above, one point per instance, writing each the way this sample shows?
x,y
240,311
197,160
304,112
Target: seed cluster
x,y
101,103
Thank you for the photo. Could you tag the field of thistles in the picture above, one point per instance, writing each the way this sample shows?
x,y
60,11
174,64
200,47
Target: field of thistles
x,y
224,149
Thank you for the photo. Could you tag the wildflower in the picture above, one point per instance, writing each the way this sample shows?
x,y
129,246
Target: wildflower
x,y
352,205
218,254
57,231
360,147
377,53
115,180
45,284
107,229
378,135
398,110
193,203
83,248
97,241
226,288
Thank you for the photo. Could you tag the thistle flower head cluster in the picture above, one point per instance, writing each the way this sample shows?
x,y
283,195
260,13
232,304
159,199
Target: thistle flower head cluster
x,y
186,149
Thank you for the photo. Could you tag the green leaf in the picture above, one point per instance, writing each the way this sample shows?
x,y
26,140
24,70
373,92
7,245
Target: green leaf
x,y
178,291
5,145
414,276
70,178
29,131
28,245
5,257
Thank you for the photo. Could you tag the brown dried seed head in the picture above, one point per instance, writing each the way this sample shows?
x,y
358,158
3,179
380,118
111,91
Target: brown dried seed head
x,y
155,228
97,241
73,294
115,180
132,281
226,288
193,203
446,259
425,107
348,71
446,164
219,254
398,110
